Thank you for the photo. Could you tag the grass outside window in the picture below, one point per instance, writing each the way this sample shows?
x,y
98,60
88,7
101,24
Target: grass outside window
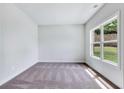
x,y
110,53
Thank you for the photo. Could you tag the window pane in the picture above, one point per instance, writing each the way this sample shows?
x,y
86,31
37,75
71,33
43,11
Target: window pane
x,y
96,50
97,35
110,31
110,52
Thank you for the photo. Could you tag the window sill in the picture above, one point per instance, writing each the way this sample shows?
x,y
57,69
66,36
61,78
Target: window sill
x,y
115,65
94,57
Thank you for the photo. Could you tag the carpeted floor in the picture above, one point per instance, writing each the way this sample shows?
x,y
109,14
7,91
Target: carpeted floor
x,y
53,76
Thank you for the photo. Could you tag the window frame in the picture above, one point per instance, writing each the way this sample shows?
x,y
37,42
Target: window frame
x,y
102,42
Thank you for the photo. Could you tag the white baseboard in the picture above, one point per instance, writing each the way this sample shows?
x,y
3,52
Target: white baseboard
x,y
62,61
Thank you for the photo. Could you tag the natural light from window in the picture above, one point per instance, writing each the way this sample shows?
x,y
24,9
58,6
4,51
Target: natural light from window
x,y
104,41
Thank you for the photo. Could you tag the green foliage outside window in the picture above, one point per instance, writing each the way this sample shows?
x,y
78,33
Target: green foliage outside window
x,y
110,28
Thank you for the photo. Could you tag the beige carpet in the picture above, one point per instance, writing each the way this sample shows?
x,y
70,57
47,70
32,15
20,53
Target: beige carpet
x,y
53,76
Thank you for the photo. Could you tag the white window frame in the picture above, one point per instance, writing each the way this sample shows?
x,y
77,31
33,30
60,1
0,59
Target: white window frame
x,y
102,41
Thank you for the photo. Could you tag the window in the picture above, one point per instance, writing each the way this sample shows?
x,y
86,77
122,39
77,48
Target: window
x,y
96,43
104,41
110,41
96,50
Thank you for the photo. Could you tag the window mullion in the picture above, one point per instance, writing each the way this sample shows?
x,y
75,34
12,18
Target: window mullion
x,y
96,43
110,41
102,44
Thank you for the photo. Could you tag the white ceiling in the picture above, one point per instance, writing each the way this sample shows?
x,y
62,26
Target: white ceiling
x,y
59,13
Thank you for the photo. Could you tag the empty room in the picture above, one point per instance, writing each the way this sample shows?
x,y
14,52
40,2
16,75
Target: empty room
x,y
61,45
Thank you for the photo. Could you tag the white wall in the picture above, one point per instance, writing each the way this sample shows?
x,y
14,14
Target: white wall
x,y
112,73
19,42
1,44
61,43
